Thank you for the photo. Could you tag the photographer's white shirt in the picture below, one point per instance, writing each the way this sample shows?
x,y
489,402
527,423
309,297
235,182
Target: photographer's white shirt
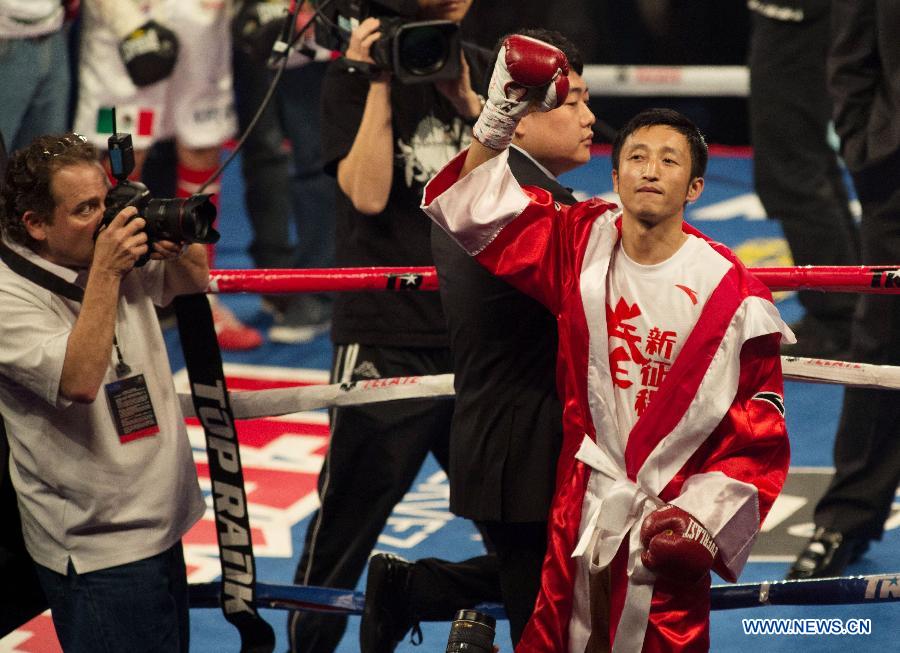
x,y
84,495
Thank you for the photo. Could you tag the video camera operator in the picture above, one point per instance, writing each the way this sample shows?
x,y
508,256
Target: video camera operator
x,y
382,139
101,461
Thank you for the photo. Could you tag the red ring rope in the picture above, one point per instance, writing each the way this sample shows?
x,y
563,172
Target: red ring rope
x,y
884,279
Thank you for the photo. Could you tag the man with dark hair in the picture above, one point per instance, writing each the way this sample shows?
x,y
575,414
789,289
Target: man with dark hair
x,y
674,444
100,458
507,421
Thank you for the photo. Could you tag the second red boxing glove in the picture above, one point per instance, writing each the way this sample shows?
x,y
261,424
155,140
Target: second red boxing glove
x,y
677,546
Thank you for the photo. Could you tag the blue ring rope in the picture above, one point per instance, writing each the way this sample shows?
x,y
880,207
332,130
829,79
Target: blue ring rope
x,y
878,588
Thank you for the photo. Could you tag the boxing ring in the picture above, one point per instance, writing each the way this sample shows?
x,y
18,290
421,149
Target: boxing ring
x,y
867,589
862,595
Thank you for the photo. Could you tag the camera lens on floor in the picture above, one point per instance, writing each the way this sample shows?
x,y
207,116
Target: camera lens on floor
x,y
471,632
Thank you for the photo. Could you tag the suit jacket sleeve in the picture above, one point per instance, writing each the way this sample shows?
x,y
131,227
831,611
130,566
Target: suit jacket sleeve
x,y
854,75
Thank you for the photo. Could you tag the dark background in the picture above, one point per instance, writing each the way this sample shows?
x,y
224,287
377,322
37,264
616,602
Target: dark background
x,y
649,32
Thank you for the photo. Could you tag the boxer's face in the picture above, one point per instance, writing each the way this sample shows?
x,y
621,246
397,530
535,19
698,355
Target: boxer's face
x,y
560,139
654,177
454,10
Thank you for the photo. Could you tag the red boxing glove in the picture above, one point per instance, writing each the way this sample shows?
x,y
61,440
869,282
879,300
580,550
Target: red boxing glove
x,y
528,72
677,546
535,64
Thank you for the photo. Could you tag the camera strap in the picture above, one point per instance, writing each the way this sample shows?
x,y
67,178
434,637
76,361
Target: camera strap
x,y
210,394
42,277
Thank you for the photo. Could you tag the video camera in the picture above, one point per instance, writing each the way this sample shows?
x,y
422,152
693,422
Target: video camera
x,y
181,220
412,51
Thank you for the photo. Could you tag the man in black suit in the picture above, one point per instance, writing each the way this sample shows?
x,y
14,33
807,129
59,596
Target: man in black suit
x,y
507,422
864,82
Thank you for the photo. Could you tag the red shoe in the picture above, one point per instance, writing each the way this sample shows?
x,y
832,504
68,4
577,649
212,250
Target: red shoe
x,y
231,333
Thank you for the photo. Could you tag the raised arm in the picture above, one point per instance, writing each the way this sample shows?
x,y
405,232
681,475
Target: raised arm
x,y
90,344
529,75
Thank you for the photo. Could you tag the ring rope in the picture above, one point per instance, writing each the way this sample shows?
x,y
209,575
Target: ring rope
x,y
255,404
268,403
877,279
849,590
678,81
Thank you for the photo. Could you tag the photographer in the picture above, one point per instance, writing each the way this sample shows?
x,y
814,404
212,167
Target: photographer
x,y
101,462
383,139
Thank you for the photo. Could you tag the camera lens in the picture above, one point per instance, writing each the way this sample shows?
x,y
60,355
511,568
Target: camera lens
x,y
471,632
422,49
189,220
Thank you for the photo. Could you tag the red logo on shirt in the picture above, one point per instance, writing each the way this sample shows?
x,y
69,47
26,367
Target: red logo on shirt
x,y
690,293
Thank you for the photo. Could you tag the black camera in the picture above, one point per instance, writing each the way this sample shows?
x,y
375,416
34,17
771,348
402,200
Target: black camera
x,y
412,51
181,220
471,632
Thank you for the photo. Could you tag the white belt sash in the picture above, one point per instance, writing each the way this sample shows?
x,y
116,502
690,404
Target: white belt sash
x,y
617,511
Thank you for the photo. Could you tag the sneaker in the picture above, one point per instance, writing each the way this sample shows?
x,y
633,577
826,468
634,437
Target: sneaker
x,y
386,615
274,304
232,334
827,554
301,321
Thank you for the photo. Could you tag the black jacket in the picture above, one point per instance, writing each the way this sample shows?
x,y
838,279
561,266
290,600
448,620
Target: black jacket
x,y
864,82
507,424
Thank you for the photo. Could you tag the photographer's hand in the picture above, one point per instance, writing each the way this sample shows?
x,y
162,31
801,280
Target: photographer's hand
x,y
187,266
166,250
459,92
120,244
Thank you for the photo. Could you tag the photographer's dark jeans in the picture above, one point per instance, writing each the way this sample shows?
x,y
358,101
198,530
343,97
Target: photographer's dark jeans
x,y
140,606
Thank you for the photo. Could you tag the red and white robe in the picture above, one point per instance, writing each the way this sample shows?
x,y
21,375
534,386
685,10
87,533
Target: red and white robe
x,y
712,440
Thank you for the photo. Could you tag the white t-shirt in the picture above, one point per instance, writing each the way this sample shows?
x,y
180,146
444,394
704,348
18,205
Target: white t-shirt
x,y
83,494
651,310
21,19
195,104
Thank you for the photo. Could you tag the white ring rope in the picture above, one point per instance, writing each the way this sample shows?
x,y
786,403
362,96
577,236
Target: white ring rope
x,y
254,404
692,81
858,375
